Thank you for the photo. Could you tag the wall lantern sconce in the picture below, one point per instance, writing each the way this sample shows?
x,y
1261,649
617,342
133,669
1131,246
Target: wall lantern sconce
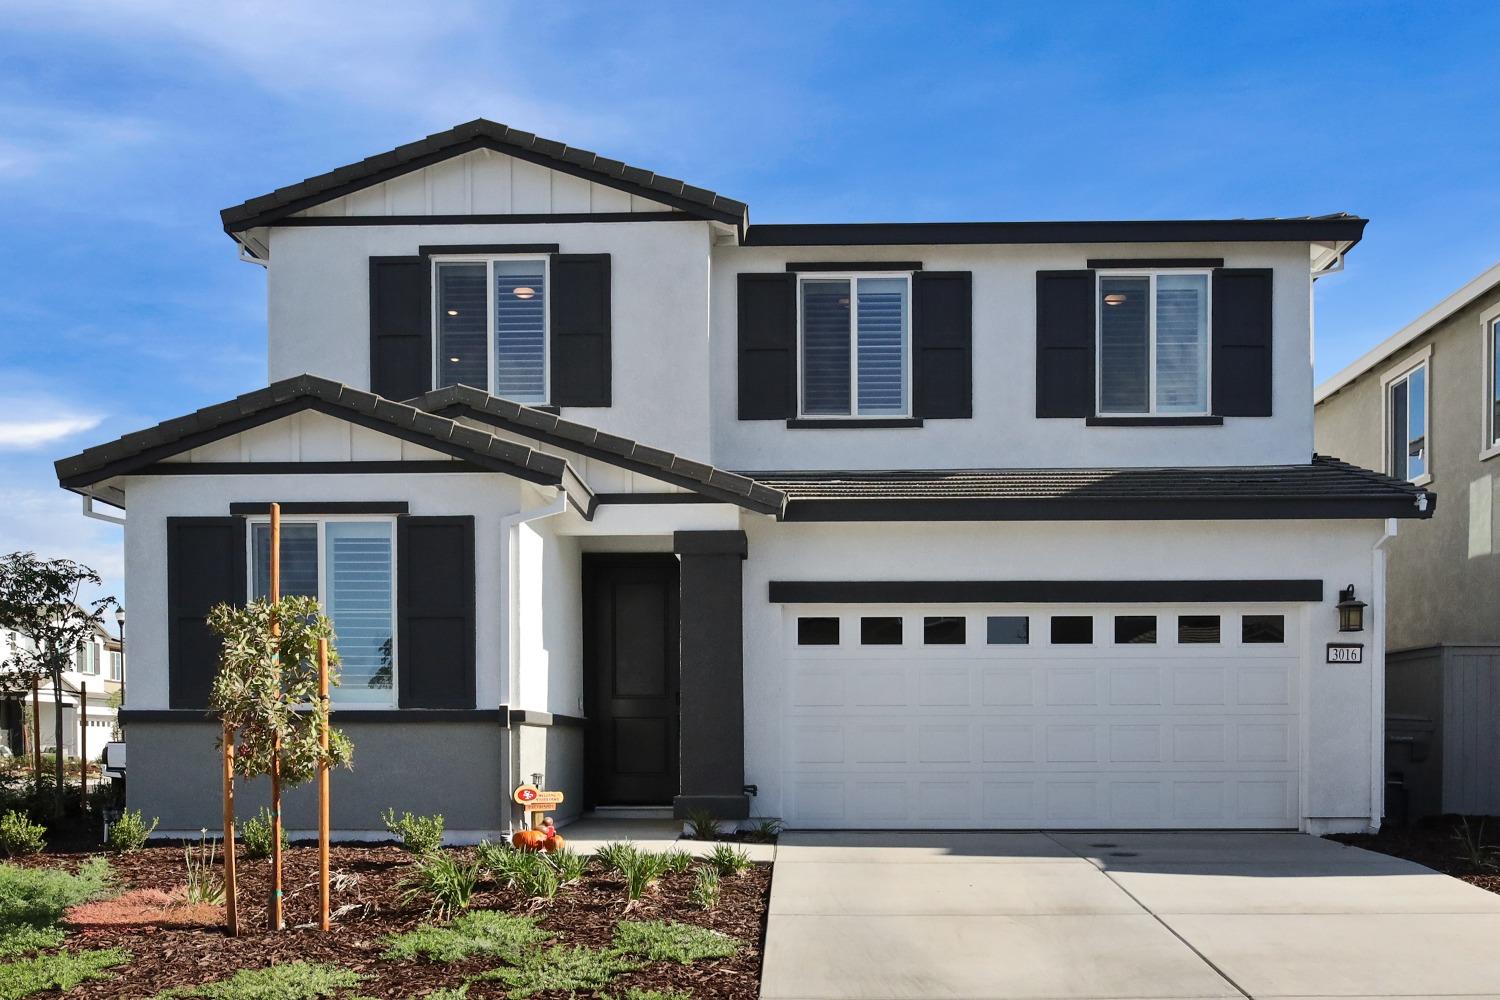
x,y
1351,611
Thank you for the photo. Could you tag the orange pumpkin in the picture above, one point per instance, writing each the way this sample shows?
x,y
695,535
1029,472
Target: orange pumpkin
x,y
553,844
528,840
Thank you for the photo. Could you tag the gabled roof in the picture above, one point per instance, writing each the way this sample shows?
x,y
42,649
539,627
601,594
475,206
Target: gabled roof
x,y
1323,488
548,428
1484,283
481,133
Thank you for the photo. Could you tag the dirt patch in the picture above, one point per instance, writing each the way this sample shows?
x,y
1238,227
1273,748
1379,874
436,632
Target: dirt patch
x,y
368,903
1438,843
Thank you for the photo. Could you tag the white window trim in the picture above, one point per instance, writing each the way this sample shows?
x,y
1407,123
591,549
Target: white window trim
x,y
1395,373
492,352
322,520
1208,346
853,277
1489,329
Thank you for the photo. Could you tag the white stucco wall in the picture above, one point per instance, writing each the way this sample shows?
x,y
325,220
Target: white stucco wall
x,y
1004,431
1338,701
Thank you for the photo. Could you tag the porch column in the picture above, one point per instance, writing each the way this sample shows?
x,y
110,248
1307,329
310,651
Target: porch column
x,y
712,728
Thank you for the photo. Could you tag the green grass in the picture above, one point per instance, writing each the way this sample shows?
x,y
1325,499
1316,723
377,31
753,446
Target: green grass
x,y
61,971
38,897
292,981
670,941
638,994
25,939
559,968
483,932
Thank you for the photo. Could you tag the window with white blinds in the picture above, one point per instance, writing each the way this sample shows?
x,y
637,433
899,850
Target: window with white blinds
x,y
349,566
1153,343
855,345
491,326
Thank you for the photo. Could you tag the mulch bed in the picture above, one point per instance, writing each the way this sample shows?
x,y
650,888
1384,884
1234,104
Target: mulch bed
x,y
1433,842
365,880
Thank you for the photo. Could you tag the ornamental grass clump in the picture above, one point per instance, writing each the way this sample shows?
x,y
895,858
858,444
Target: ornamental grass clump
x,y
705,891
729,860
444,883
19,836
641,871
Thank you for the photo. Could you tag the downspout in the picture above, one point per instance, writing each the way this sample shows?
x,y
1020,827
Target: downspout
x,y
510,531
1377,676
89,511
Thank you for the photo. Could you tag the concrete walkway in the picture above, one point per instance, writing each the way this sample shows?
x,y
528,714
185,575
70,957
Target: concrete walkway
x,y
986,916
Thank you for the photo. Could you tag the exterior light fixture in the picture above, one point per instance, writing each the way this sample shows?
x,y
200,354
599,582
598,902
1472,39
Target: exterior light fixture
x,y
524,292
1351,611
1114,299
453,360
452,312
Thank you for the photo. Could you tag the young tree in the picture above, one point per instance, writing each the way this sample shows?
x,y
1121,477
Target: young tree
x,y
39,600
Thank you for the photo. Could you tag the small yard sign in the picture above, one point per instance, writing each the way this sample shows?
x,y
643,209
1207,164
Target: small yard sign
x,y
535,799
1346,652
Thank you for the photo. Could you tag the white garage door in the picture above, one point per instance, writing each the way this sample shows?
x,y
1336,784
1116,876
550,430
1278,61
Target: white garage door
x,y
1045,717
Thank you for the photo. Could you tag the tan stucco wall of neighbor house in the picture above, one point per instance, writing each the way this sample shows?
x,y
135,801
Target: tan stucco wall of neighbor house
x,y
1444,573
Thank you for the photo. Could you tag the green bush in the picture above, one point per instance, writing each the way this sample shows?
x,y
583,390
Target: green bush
x,y
505,936
705,891
560,968
60,971
419,834
442,882
129,833
24,940
19,836
290,981
256,833
38,897
702,824
670,941
729,860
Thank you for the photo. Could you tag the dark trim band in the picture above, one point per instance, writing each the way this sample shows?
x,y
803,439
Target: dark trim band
x,y
1044,591
1105,263
323,507
874,423
303,468
854,265
647,498
855,234
710,543
1072,509
344,717
532,717
438,251
512,219
1153,421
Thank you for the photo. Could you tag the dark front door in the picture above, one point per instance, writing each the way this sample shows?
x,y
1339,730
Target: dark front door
x,y
630,650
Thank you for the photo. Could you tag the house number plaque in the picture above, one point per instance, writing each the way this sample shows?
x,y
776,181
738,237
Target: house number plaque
x,y
1346,652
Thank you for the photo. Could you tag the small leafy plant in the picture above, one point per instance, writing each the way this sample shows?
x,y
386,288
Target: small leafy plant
x,y
1471,843
129,833
702,824
767,830
19,836
670,941
705,891
560,968
729,860
287,981
60,971
256,833
505,936
204,883
419,834
443,882
38,897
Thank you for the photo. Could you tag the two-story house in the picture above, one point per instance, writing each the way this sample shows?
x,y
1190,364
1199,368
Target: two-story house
x,y
889,525
1423,405
90,691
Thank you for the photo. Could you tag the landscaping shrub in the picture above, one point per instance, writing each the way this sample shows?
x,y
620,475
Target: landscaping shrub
x,y
705,891
670,941
443,882
678,862
570,865
60,971
204,883
537,875
702,824
419,834
638,994
766,830
256,835
729,860
38,897
484,932
642,869
559,968
19,836
23,940
291,981
130,832
615,854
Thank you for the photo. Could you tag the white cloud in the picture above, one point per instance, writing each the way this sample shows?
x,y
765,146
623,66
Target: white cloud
x,y
51,524
34,433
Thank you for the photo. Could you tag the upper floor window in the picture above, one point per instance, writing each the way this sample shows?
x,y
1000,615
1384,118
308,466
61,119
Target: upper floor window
x,y
1406,396
116,666
348,565
854,345
491,319
1491,324
1153,343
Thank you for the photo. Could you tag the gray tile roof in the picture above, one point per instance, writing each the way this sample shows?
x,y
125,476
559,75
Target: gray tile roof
x,y
481,134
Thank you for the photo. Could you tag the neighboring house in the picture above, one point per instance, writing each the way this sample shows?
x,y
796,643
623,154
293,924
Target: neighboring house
x,y
889,525
1424,405
96,671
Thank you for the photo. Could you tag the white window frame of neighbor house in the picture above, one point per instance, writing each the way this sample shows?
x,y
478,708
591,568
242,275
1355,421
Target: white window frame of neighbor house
x,y
1400,372
492,348
1489,422
322,521
1151,275
853,278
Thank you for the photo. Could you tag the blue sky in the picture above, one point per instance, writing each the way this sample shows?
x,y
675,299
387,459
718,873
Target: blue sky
x,y
125,127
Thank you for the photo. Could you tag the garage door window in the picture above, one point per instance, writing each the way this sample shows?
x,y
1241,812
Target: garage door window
x,y
880,631
1007,630
817,631
943,630
1072,630
1135,629
1263,628
1197,628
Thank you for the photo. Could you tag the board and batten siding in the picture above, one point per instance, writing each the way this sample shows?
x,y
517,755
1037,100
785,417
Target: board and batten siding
x,y
1443,728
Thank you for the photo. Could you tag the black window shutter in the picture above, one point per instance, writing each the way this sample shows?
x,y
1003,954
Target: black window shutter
x,y
400,326
1242,342
580,329
942,344
1064,343
435,612
205,567
767,332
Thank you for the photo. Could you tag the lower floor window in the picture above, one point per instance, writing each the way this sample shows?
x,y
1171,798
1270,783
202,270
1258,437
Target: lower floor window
x,y
349,566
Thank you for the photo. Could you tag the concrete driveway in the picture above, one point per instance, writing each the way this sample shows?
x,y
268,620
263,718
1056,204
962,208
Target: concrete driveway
x,y
985,916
